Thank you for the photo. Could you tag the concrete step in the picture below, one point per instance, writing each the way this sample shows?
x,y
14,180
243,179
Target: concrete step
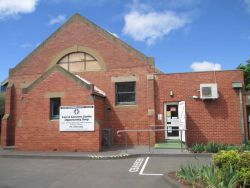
x,y
9,148
172,141
170,145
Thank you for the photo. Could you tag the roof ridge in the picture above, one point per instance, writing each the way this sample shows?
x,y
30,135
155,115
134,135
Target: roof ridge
x,y
148,60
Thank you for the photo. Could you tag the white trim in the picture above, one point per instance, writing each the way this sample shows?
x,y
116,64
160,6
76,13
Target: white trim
x,y
165,121
147,174
96,89
129,78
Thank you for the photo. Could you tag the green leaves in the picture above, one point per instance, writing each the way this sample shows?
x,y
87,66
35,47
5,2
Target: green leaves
x,y
238,161
246,70
198,148
231,169
211,147
208,176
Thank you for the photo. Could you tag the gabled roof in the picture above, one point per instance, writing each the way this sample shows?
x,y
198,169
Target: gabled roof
x,y
86,84
77,16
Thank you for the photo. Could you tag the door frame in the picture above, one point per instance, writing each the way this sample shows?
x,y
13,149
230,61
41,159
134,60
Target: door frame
x,y
165,121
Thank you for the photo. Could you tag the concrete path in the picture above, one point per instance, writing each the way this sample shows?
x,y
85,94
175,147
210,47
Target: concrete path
x,y
111,153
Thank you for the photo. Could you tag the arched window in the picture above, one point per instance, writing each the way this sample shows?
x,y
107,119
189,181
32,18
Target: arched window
x,y
79,62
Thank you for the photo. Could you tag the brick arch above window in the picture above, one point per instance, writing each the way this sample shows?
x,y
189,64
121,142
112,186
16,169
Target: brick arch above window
x,y
79,59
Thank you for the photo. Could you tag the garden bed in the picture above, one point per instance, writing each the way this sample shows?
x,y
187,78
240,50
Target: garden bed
x,y
229,169
213,147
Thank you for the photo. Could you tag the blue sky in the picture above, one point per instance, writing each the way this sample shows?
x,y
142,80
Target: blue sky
x,y
182,35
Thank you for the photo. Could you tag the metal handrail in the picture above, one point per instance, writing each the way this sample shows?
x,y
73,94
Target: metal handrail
x,y
147,130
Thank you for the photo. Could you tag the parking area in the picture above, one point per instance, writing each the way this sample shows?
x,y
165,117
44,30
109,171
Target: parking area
x,y
51,173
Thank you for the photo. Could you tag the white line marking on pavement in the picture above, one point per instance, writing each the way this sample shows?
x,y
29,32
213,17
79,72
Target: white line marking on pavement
x,y
136,166
147,174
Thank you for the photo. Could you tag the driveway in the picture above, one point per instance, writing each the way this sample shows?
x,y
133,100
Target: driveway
x,y
143,172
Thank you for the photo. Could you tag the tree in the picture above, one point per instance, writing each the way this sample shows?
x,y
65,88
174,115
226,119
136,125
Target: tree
x,y
246,70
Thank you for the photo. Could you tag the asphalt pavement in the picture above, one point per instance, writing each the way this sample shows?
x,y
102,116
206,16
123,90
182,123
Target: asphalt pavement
x,y
147,172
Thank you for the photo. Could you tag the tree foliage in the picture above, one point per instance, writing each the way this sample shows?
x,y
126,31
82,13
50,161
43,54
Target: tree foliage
x,y
246,70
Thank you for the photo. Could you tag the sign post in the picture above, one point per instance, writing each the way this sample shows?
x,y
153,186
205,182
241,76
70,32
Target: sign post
x,y
77,118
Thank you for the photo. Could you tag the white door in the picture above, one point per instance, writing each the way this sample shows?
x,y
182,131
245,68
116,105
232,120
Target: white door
x,y
182,120
171,118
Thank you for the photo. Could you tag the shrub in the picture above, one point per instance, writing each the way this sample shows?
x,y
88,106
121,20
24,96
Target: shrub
x,y
240,162
188,173
198,148
244,176
248,145
213,147
243,167
208,176
231,169
244,161
232,147
226,158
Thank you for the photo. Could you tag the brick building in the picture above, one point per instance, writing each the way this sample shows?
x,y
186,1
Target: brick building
x,y
82,66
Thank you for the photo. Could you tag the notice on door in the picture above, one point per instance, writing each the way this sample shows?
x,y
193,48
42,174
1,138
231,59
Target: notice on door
x,y
77,118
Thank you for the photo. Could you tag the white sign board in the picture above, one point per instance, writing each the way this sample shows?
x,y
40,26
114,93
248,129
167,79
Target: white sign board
x,y
77,118
182,117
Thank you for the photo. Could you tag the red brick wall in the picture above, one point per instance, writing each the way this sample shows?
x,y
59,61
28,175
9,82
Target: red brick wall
x,y
119,62
35,131
99,103
209,120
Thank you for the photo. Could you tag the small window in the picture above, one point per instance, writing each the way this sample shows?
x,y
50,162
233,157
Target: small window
x,y
125,93
55,104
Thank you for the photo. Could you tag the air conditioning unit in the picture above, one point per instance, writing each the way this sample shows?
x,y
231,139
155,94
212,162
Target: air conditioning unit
x,y
209,91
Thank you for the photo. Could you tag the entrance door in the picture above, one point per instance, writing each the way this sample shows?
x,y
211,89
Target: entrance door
x,y
171,121
175,120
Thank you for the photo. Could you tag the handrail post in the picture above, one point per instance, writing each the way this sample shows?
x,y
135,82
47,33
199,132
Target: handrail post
x,y
137,137
149,141
181,139
126,142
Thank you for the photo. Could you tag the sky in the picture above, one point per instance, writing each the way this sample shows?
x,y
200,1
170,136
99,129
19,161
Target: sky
x,y
182,35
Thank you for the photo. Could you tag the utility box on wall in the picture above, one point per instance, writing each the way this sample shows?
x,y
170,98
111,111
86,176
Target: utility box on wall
x,y
107,137
209,91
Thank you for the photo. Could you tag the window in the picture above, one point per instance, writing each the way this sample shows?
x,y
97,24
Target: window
x,y
55,104
125,93
79,62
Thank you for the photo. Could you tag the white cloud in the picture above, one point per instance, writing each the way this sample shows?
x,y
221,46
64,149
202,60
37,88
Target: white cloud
x,y
15,7
144,24
58,19
205,66
247,3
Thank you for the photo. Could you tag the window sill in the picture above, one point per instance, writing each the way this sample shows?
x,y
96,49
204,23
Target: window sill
x,y
54,119
125,105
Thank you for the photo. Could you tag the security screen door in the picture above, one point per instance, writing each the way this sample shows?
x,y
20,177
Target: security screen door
x,y
175,119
